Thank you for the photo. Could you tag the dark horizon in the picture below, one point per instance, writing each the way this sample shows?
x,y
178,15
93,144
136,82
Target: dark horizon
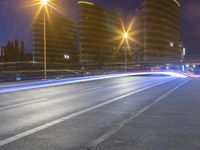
x,y
15,20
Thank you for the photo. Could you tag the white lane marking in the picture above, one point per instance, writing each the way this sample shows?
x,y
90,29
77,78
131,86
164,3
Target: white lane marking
x,y
47,125
44,84
60,92
22,104
116,128
52,93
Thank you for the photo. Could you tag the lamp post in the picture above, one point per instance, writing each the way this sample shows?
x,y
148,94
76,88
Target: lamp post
x,y
44,4
125,37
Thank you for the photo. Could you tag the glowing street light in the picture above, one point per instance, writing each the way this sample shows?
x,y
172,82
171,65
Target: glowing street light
x,y
125,37
44,3
43,6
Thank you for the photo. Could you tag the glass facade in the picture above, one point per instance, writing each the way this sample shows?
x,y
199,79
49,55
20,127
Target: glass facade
x,y
61,39
97,31
160,26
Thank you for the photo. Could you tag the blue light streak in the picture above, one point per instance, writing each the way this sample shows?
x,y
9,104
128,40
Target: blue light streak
x,y
51,83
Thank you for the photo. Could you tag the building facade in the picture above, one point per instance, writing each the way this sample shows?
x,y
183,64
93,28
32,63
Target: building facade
x,y
97,32
160,28
61,39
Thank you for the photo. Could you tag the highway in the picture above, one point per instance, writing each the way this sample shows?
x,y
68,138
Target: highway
x,y
140,113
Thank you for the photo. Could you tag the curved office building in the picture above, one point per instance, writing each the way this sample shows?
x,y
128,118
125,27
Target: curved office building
x,y
160,26
96,27
61,40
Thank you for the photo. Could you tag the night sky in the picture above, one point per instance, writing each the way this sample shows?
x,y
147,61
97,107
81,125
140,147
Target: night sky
x,y
16,17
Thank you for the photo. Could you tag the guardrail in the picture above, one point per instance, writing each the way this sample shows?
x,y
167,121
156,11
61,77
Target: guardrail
x,y
36,74
32,71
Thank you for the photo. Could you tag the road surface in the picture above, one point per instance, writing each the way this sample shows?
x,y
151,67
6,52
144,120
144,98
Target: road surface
x,y
142,113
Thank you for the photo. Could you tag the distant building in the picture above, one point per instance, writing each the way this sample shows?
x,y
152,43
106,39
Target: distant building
x,y
97,33
61,39
160,26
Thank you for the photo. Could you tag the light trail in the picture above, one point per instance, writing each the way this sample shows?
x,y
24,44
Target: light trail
x,y
51,83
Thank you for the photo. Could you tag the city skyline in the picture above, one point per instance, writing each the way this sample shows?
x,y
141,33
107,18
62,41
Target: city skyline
x,y
99,74
15,22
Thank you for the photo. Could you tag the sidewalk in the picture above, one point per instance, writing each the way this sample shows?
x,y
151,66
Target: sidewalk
x,y
171,124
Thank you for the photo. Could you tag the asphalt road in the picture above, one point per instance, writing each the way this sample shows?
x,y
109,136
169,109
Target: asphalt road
x,y
142,113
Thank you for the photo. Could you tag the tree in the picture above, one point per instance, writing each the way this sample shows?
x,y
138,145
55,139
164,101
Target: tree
x,y
7,52
22,51
13,53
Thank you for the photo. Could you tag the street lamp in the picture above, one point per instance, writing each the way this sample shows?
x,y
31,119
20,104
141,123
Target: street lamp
x,y
125,37
44,4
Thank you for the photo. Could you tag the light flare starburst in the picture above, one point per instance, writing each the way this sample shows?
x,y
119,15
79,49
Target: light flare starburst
x,y
44,2
125,35
41,5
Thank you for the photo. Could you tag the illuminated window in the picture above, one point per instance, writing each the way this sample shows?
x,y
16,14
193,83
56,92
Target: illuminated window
x,y
171,44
